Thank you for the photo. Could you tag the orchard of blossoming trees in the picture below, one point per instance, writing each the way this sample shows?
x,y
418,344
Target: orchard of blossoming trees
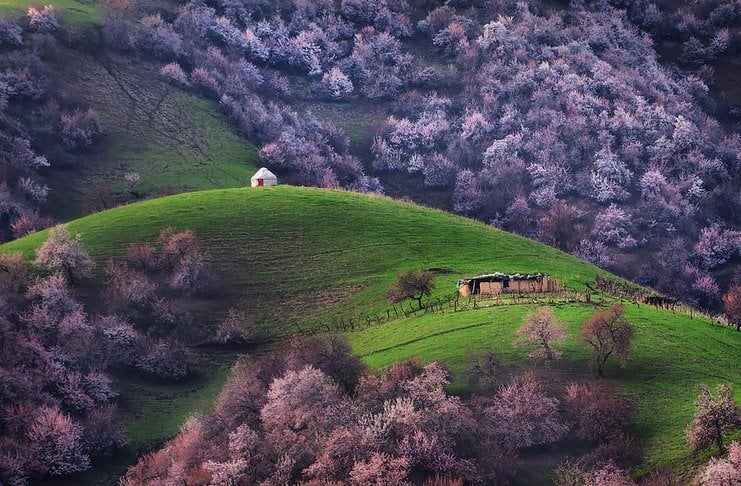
x,y
57,401
568,130
530,117
707,32
38,130
309,413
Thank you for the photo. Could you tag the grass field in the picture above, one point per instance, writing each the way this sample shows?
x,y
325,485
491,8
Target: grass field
x,y
289,254
74,12
673,354
175,140
152,413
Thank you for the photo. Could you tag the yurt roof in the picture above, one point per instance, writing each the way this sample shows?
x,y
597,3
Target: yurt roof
x,y
264,173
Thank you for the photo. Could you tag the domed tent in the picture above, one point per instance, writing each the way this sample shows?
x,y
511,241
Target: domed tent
x,y
264,177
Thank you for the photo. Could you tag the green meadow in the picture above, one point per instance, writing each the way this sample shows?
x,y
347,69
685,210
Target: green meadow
x,y
292,255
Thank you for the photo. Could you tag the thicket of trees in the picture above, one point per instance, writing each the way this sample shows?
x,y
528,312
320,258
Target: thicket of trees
x,y
311,413
308,412
568,130
558,124
38,129
240,54
57,400
707,32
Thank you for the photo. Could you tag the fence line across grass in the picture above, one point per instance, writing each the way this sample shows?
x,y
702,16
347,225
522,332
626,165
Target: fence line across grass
x,y
439,305
455,303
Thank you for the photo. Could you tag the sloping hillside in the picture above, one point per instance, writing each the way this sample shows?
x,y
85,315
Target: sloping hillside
x,y
297,255
673,355
290,253
174,140
75,12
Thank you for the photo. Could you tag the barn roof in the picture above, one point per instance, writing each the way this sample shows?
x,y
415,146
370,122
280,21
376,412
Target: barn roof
x,y
264,173
498,276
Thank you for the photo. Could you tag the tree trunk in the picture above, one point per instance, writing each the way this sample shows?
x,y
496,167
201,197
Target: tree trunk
x,y
601,362
719,440
601,369
67,271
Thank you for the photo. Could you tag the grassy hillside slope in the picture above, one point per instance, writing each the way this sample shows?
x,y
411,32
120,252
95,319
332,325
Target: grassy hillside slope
x,y
74,12
300,255
673,354
175,140
287,253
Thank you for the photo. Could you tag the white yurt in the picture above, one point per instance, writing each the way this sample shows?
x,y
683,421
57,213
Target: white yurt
x,y
264,177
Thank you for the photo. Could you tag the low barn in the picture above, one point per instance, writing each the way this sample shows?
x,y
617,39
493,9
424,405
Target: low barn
x,y
264,177
499,283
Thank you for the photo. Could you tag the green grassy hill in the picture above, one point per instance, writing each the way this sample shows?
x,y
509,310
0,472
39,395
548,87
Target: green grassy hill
x,y
290,253
74,12
298,255
176,141
673,354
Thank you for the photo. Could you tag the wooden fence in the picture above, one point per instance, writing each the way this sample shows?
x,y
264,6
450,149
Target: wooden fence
x,y
607,291
439,305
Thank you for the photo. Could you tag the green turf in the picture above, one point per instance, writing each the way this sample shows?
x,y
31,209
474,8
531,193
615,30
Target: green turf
x,y
176,403
673,354
175,140
289,254
74,12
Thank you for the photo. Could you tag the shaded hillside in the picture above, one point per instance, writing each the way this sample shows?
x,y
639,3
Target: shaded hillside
x,y
671,358
174,140
291,255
